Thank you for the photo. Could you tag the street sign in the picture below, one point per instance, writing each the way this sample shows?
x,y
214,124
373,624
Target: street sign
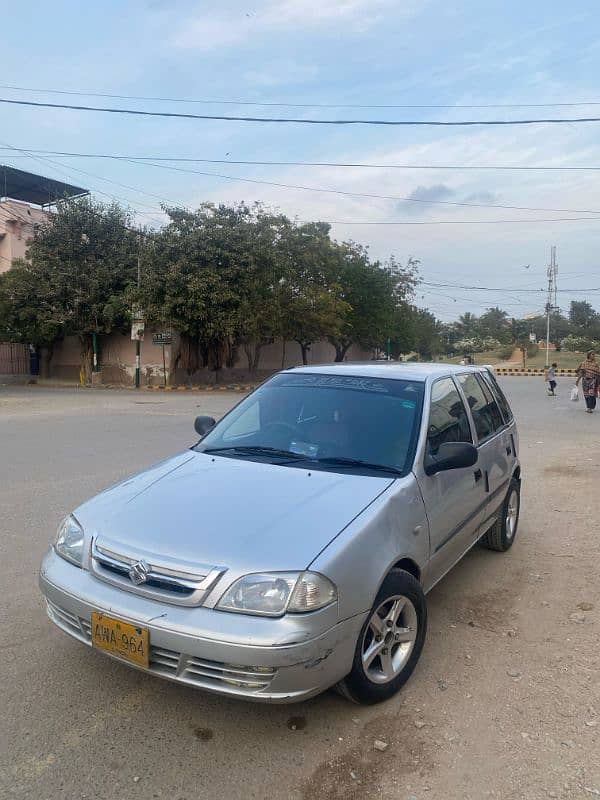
x,y
137,332
163,338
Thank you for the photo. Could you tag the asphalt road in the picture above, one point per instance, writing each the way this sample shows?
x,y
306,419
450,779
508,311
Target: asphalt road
x,y
505,702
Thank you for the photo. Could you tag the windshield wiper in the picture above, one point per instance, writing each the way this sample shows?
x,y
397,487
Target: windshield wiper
x,y
339,461
255,450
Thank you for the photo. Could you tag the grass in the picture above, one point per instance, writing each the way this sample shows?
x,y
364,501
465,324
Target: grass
x,y
564,359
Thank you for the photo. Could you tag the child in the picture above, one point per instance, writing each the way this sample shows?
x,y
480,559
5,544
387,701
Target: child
x,y
551,379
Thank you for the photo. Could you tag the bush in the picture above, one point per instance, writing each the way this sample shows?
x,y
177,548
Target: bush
x,y
532,350
505,353
579,344
476,344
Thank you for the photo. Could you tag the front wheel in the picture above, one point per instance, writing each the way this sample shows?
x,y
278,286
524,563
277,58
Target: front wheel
x,y
390,642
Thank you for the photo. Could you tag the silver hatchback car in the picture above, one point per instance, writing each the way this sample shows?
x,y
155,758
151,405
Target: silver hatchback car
x,y
291,549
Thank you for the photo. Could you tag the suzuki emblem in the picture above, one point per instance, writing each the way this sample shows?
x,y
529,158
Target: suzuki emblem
x,y
139,572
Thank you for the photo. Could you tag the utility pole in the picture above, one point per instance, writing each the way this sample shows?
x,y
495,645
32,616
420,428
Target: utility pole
x,y
138,344
551,300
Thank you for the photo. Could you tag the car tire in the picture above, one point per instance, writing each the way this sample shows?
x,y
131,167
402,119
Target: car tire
x,y
501,535
387,650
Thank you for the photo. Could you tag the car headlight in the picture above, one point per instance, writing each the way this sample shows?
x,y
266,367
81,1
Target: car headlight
x,y
277,593
69,541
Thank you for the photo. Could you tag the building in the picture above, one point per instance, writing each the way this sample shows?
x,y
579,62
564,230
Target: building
x,y
18,222
25,200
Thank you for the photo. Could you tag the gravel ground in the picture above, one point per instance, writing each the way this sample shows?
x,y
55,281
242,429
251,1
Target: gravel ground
x,y
505,702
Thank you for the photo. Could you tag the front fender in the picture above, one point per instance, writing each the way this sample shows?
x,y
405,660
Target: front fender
x,y
391,528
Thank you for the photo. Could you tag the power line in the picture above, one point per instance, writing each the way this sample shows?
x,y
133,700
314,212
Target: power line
x,y
61,171
371,196
158,212
350,165
280,185
266,104
463,221
503,288
305,121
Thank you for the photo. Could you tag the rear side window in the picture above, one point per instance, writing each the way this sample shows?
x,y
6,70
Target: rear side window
x,y
448,419
485,411
500,396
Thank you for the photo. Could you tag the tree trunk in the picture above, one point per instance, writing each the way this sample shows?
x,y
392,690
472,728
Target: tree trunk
x,y
85,374
45,353
340,351
256,360
304,349
283,354
249,356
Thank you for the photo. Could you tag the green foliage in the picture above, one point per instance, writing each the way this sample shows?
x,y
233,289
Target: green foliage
x,y
580,344
74,282
427,334
224,277
494,325
584,320
505,352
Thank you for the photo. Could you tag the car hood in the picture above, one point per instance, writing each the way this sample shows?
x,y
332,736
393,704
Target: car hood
x,y
240,514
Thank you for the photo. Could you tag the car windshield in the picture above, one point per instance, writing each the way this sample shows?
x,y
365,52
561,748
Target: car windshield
x,y
337,423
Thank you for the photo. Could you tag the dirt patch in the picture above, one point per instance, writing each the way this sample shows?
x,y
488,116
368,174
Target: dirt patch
x,y
491,611
204,734
356,774
562,469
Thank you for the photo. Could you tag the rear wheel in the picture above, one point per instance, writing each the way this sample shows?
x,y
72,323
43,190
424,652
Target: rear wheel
x,y
501,536
390,642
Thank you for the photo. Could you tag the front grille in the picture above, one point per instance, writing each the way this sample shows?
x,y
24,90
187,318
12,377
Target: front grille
x,y
152,583
158,581
177,666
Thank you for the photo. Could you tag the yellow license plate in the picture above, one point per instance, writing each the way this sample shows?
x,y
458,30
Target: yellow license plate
x,y
120,639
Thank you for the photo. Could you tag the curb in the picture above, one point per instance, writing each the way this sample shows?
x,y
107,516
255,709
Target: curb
x,y
537,373
237,387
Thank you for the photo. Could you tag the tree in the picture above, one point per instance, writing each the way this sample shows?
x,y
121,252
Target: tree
x,y
312,304
190,282
519,330
261,274
560,327
584,320
467,326
26,315
427,334
80,265
494,324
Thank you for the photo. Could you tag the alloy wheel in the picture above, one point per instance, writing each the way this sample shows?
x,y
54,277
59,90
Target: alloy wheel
x,y
389,639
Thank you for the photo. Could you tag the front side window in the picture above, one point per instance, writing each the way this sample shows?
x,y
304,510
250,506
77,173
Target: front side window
x,y
485,412
448,419
323,420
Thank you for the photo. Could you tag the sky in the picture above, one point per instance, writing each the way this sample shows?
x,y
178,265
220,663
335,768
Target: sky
x,y
325,58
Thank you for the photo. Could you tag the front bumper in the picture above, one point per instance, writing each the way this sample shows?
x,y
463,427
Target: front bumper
x,y
261,659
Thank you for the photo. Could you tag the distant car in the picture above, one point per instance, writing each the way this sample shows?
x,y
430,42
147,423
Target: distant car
x,y
292,547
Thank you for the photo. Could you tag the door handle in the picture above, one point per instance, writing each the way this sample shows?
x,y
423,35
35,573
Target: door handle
x,y
508,450
478,475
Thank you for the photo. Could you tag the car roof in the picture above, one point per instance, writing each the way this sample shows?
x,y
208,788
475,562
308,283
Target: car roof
x,y
395,370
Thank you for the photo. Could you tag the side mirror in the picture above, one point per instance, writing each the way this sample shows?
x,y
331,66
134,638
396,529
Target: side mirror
x,y
202,425
451,455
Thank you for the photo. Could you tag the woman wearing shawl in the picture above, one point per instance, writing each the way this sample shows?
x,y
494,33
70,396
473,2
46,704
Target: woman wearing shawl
x,y
589,375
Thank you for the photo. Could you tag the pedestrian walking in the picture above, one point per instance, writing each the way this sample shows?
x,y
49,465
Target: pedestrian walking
x,y
589,375
551,379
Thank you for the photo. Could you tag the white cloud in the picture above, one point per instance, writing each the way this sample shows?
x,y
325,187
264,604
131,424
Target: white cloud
x,y
212,30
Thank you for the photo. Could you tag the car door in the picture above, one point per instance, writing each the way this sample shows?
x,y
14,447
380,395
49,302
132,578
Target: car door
x,y
454,500
493,440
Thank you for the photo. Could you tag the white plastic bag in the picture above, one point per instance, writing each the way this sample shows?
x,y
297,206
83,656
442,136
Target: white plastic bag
x,y
575,394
